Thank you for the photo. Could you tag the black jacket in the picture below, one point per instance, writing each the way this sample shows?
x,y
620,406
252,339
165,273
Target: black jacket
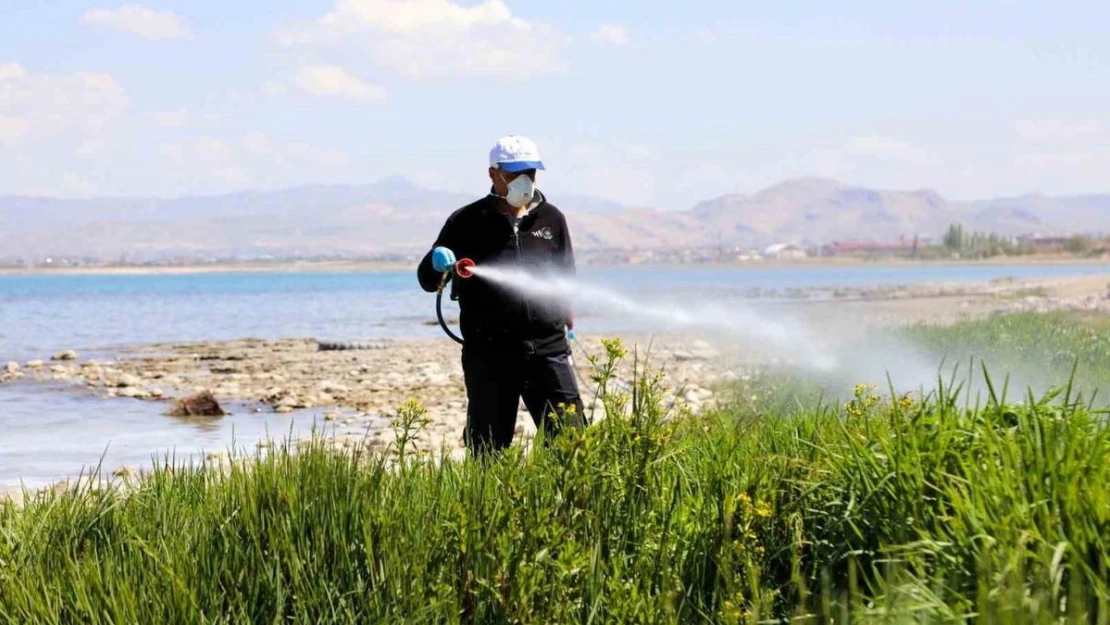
x,y
492,317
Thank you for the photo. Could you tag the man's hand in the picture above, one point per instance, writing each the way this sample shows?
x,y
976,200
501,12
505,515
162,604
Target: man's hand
x,y
442,259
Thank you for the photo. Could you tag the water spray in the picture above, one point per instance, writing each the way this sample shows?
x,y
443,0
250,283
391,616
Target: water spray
x,y
873,359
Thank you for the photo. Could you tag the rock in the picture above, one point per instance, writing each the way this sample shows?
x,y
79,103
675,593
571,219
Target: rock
x,y
132,392
127,379
68,354
331,416
283,409
333,387
34,364
201,404
57,369
156,393
13,367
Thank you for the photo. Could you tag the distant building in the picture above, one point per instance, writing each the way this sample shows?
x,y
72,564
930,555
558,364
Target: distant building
x,y
785,251
901,247
1043,244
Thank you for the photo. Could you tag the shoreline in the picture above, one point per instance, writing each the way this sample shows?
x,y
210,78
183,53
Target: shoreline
x,y
393,266
361,389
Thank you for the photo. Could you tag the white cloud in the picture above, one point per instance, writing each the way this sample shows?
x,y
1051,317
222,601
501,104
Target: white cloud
x,y
142,21
292,152
11,71
628,173
332,80
1057,129
1063,159
76,184
40,106
432,38
274,87
171,119
253,160
12,126
611,33
880,147
91,148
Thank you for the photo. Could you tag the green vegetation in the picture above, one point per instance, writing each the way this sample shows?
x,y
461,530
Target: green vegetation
x,y
881,508
1039,350
980,244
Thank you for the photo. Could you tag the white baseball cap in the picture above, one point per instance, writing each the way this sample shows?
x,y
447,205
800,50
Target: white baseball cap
x,y
513,154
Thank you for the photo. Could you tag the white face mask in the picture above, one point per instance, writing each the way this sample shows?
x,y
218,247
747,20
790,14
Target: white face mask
x,y
521,192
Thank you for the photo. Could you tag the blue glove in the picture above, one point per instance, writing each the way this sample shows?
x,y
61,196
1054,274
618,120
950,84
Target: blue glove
x,y
570,334
442,259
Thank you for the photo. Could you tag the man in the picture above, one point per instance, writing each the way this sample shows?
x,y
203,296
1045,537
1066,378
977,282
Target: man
x,y
513,346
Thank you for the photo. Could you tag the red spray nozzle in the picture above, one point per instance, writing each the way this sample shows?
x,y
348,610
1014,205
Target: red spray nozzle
x,y
464,268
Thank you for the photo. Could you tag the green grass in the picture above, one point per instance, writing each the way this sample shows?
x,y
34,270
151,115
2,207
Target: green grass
x,y
1045,350
900,509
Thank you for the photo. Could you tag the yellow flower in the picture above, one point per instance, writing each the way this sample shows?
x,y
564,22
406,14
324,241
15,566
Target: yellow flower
x,y
763,509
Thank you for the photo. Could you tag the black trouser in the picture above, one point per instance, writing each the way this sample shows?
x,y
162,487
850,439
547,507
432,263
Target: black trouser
x,y
495,384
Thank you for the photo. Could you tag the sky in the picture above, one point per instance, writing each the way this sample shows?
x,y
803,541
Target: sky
x,y
645,102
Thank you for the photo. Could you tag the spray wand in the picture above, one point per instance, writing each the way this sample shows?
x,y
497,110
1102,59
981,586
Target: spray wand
x,y
464,269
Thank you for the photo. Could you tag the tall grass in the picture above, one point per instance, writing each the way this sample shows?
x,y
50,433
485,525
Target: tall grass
x,y
880,509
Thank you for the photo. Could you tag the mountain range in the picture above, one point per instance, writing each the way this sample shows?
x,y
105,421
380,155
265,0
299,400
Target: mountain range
x,y
396,216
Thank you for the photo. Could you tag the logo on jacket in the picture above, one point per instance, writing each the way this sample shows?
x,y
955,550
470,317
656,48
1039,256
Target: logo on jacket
x,y
543,233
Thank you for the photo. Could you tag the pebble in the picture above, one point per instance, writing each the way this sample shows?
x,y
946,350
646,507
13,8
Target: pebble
x,y
284,409
127,380
68,354
34,364
13,367
132,392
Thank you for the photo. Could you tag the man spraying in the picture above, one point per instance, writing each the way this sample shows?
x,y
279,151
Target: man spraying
x,y
513,346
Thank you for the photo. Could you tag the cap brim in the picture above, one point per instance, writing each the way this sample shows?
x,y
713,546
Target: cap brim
x,y
519,166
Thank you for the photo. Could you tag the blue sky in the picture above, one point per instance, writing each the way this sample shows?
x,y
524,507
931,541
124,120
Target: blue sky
x,y
644,102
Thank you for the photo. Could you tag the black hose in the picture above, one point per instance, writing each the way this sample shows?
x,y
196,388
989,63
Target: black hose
x,y
439,315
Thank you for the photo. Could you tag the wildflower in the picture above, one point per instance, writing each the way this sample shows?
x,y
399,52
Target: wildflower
x,y
763,509
744,500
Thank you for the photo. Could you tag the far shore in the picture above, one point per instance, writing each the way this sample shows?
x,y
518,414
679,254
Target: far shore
x,y
392,266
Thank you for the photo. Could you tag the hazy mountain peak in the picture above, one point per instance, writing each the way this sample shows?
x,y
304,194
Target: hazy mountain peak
x,y
395,215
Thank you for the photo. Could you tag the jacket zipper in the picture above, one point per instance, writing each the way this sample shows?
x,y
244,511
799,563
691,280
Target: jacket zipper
x,y
520,264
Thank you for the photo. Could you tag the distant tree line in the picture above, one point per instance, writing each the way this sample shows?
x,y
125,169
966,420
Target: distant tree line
x,y
958,240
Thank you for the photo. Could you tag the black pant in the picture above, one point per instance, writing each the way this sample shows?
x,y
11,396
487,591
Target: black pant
x,y
495,383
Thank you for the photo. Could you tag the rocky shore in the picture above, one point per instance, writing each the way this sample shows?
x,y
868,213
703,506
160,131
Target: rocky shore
x,y
362,388
357,387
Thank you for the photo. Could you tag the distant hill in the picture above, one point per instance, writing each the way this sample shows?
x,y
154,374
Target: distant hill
x,y
396,215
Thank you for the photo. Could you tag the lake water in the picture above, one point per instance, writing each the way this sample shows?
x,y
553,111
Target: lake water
x,y
47,433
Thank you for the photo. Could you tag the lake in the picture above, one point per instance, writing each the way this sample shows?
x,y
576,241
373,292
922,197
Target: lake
x,y
47,433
